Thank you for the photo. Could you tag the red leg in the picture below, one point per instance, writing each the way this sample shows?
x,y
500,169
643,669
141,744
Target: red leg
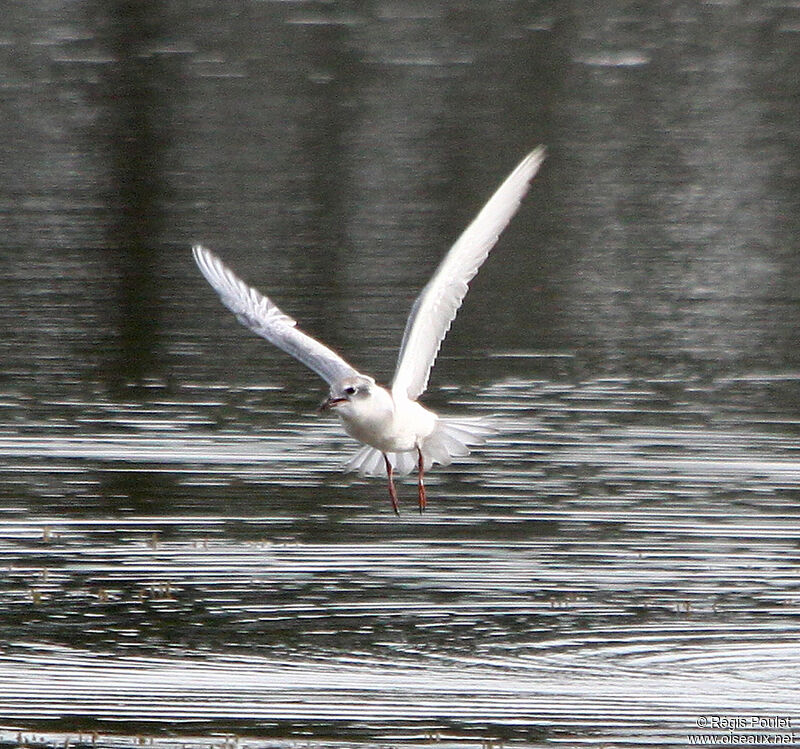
x,y
392,490
423,497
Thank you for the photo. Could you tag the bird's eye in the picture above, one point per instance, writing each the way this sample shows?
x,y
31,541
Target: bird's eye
x,y
350,390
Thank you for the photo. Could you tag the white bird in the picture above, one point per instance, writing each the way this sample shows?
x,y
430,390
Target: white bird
x,y
396,430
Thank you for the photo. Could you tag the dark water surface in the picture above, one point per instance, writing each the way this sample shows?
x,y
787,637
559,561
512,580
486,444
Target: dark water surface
x,y
184,564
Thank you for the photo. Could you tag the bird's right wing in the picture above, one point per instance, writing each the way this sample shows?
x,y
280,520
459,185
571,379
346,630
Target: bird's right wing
x,y
258,313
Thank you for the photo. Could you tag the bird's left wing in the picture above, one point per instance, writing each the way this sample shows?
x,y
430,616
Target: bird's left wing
x,y
436,306
258,313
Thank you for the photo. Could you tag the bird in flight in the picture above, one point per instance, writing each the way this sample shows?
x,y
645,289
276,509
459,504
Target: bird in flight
x,y
397,432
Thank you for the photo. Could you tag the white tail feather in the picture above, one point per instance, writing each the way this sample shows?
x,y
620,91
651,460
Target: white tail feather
x,y
449,440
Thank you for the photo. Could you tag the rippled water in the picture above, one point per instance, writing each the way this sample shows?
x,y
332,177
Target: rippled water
x,y
616,563
183,562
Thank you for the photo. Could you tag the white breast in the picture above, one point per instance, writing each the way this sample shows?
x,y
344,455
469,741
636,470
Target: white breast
x,y
387,425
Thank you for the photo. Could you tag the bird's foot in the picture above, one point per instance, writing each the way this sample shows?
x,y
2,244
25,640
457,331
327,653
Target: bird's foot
x,y
392,490
423,498
393,497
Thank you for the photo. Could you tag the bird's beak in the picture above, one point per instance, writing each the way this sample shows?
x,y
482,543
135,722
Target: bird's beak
x,y
329,403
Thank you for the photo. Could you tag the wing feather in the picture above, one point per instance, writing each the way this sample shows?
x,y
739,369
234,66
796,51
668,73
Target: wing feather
x,y
263,317
435,308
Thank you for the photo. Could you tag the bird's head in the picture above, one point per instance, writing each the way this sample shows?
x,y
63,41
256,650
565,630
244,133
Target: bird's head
x,y
347,395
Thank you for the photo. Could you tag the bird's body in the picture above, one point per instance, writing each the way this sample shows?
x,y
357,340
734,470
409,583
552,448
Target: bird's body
x,y
388,424
398,433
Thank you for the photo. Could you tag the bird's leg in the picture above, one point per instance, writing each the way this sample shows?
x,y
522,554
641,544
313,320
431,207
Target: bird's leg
x,y
423,497
392,490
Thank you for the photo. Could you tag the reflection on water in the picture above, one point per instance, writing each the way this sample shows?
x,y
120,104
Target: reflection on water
x,y
181,554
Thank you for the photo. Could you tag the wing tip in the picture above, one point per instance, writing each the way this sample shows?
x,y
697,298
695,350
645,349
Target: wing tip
x,y
212,267
540,151
202,256
534,160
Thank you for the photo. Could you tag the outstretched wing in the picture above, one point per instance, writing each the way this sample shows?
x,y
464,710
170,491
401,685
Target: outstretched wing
x,y
259,314
436,306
